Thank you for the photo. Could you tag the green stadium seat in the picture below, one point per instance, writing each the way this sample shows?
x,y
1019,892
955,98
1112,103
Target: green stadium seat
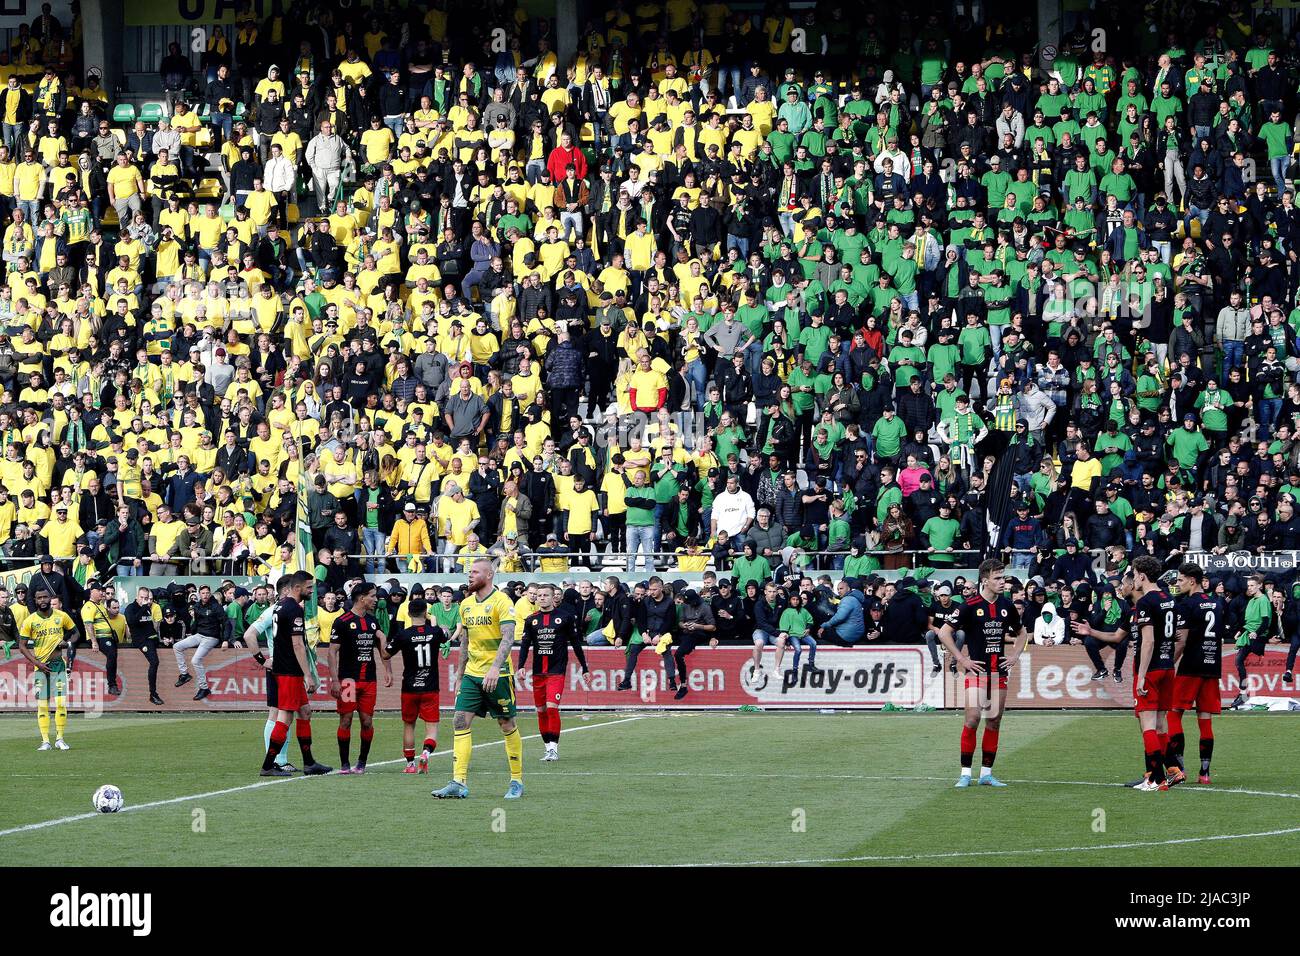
x,y
124,113
151,112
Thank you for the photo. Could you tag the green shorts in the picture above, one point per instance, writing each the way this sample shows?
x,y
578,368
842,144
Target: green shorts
x,y
473,699
55,683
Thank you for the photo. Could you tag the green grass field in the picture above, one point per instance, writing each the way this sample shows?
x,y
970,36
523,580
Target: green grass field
x,y
637,788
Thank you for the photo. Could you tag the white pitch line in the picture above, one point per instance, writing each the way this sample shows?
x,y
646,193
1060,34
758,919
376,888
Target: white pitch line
x,y
966,854
45,824
894,778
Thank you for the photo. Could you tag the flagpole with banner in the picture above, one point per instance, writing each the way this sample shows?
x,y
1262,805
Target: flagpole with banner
x,y
307,562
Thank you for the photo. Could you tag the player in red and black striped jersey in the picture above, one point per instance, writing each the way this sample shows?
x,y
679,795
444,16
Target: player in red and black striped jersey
x,y
419,645
294,679
356,647
988,620
1196,681
549,634
1155,647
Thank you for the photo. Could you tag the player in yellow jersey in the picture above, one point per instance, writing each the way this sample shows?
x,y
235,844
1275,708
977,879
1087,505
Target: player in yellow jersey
x,y
49,632
484,679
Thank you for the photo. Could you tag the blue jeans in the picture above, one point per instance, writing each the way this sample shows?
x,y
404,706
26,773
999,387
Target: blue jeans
x,y
1269,408
1194,212
731,76
375,541
754,361
799,642
638,535
1021,559
1233,352
995,333
1278,165
13,136
739,243
224,122
698,377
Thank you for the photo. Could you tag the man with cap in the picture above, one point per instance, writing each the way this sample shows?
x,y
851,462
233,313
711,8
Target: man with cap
x,y
1021,536
49,579
943,612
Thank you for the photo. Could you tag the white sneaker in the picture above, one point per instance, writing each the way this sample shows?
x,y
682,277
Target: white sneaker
x,y
1147,786
45,745
550,754
61,744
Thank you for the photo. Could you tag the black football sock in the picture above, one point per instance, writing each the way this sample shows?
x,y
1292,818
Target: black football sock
x,y
279,734
303,730
367,735
345,745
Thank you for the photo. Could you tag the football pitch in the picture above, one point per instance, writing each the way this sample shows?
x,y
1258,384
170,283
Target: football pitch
x,y
654,789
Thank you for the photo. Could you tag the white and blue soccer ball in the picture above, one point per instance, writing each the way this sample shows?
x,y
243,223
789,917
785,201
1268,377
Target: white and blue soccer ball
x,y
108,799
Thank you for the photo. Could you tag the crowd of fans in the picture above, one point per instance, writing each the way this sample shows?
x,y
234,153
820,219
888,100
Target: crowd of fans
x,y
758,292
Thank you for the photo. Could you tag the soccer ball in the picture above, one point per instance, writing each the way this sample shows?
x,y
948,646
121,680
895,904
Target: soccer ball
x,y
107,799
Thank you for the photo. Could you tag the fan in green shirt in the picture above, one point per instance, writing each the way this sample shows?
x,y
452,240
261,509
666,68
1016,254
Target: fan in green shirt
x,y
888,495
1275,136
945,399
745,569
974,343
813,339
943,359
888,431
1113,444
903,272
1079,184
802,386
939,533
906,352
1051,103
797,622
998,298
1118,184
1211,404
1188,443
838,531
782,142
859,565
996,182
